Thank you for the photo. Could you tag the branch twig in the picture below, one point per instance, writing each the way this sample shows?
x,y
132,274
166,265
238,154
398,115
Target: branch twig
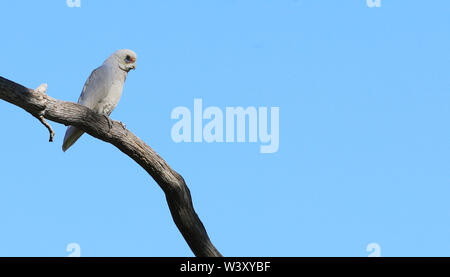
x,y
48,126
42,90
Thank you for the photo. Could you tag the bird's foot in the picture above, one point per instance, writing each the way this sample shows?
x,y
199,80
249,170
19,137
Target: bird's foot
x,y
123,125
110,123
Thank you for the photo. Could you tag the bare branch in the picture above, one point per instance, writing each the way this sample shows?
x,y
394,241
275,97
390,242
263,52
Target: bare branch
x,y
177,193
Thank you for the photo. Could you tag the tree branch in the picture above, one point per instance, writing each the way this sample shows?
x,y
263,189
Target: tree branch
x,y
178,196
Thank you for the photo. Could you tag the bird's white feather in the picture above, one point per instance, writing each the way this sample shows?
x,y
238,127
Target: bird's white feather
x,y
102,91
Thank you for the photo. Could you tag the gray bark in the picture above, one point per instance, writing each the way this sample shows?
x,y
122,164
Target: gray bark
x,y
178,196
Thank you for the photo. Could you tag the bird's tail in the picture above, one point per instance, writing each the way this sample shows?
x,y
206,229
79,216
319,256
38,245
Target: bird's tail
x,y
72,135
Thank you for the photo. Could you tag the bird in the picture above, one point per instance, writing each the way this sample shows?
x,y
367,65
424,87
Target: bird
x,y
103,89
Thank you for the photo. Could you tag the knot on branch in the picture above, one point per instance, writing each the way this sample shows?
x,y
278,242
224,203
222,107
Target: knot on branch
x,y
42,89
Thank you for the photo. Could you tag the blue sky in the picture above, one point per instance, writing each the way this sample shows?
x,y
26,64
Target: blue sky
x,y
364,99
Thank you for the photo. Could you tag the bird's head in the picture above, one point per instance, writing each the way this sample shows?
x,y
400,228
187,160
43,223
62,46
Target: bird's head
x,y
126,59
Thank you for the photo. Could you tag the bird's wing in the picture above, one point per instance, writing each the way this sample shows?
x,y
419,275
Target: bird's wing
x,y
96,87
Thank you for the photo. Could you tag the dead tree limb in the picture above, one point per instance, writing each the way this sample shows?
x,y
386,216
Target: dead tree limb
x,y
178,196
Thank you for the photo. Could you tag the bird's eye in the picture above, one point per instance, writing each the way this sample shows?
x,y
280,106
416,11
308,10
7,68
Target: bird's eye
x,y
128,59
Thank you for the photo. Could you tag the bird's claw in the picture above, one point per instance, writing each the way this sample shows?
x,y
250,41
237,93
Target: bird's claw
x,y
110,123
123,125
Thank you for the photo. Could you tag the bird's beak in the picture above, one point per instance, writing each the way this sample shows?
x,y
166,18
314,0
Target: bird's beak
x,y
133,67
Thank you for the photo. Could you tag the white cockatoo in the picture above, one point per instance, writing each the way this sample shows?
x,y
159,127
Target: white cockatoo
x,y
101,92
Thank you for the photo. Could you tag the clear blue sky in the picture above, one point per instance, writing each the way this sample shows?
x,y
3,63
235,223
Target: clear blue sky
x,y
364,98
